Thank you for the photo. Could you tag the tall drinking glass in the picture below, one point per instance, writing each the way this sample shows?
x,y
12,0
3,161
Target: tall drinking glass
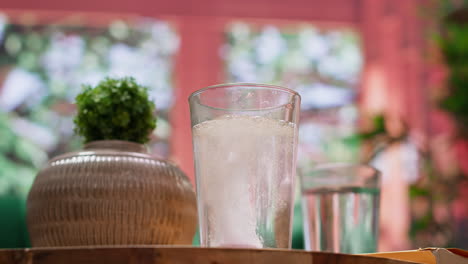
x,y
245,144
341,207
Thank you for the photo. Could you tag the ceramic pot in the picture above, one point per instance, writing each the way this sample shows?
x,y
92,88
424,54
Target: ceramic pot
x,y
111,193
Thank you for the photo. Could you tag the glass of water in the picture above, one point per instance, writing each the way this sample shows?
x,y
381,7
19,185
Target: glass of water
x,y
245,144
341,208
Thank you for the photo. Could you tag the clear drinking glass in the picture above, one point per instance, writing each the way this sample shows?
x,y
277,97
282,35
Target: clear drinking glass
x,y
245,144
340,203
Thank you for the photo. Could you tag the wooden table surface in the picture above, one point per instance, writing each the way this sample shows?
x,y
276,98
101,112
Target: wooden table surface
x,y
178,255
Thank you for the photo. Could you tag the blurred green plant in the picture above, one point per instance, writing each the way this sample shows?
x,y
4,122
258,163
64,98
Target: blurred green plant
x,y
117,109
436,188
14,161
378,128
453,42
42,67
454,46
423,193
447,24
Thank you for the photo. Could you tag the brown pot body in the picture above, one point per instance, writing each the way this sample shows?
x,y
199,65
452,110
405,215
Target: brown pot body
x,y
112,193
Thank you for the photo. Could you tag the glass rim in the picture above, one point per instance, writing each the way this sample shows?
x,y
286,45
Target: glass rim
x,y
323,176
343,165
253,85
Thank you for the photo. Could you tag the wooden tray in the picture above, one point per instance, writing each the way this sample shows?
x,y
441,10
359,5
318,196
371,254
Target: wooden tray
x,y
179,255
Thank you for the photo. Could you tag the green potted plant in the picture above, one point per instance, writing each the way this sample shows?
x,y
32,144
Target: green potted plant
x,y
113,192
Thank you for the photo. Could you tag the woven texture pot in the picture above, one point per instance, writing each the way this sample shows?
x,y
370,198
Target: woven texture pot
x,y
112,193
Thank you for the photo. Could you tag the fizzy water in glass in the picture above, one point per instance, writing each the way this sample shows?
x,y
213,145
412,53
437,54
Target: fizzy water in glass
x,y
245,155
